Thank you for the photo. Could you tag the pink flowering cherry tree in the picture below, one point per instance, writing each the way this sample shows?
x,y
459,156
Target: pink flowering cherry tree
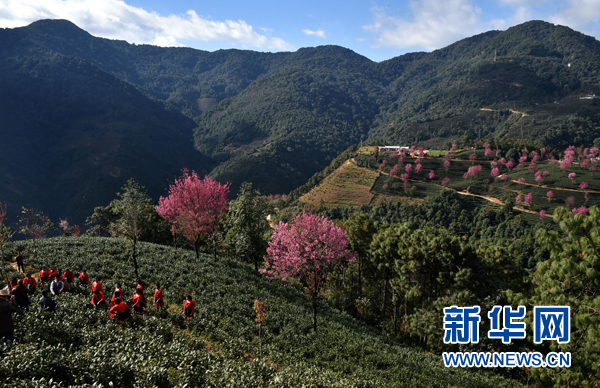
x,y
306,251
194,206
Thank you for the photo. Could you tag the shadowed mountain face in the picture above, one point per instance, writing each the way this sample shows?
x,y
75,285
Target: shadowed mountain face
x,y
81,115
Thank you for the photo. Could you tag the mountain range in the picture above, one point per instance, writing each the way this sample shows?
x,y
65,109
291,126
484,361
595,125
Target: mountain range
x,y
82,114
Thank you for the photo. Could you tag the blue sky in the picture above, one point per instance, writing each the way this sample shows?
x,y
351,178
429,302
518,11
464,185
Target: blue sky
x,y
378,29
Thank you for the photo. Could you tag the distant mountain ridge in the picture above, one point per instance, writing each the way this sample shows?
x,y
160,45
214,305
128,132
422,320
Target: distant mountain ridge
x,y
82,114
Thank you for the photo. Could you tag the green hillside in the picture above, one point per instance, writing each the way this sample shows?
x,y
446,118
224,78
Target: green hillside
x,y
81,346
273,119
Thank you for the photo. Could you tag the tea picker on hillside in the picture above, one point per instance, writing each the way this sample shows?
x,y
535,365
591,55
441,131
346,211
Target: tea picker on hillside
x,y
57,286
47,303
7,308
30,283
84,278
19,260
69,276
44,275
138,301
21,294
53,272
140,286
121,310
158,296
97,285
98,299
189,307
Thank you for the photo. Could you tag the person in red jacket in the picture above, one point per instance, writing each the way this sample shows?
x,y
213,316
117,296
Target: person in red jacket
x,y
84,278
188,307
44,275
97,285
138,301
69,276
140,286
53,272
158,296
116,296
118,289
30,282
120,310
13,283
98,299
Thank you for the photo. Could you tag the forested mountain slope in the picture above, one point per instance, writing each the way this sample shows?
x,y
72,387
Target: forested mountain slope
x,y
271,118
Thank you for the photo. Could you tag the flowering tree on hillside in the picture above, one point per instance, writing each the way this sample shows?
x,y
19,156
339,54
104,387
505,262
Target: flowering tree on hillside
x,y
194,207
307,250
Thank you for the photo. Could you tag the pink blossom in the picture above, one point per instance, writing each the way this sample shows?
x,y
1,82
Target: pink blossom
x,y
586,196
493,164
570,201
446,164
495,171
404,177
504,177
489,152
418,169
521,181
473,171
528,199
565,164
194,207
550,195
583,185
532,167
581,210
572,177
522,159
445,181
545,173
542,214
491,188
431,174
519,199
408,168
382,165
510,164
502,161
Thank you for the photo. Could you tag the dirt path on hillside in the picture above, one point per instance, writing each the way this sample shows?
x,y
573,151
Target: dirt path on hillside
x,y
556,188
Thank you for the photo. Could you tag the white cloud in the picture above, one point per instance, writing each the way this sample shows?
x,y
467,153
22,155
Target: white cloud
x,y
583,15
434,24
117,20
319,33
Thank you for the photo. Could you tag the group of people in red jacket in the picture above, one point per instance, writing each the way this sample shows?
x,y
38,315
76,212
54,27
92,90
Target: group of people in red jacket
x,y
118,307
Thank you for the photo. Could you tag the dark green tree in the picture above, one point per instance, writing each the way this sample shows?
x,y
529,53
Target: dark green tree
x,y
571,278
130,215
359,230
248,227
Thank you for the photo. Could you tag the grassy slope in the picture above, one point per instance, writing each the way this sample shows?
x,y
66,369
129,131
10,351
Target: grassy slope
x,y
349,185
83,346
